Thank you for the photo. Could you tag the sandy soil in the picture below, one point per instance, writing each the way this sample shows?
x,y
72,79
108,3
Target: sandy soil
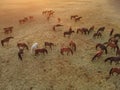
x,y
54,71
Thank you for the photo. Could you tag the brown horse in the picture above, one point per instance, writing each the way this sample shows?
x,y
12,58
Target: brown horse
x,y
77,19
99,34
8,30
20,53
6,40
42,50
22,21
49,44
101,29
114,70
68,33
91,29
73,17
112,59
24,45
98,54
112,45
67,49
72,45
83,31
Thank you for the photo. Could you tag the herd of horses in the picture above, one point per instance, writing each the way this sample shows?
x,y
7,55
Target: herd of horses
x,y
71,48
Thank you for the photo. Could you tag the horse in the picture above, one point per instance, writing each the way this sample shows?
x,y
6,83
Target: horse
x,y
49,44
114,70
42,50
114,40
57,25
31,17
97,35
102,47
24,45
98,54
83,31
111,32
72,45
6,40
77,19
73,16
20,53
8,30
112,45
101,29
22,21
66,49
33,47
112,59
68,33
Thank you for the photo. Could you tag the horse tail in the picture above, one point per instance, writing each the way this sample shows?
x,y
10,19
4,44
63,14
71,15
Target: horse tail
x,y
26,47
19,56
2,43
110,72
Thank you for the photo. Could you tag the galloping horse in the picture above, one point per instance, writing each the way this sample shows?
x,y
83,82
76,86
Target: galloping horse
x,y
34,46
112,59
66,49
68,33
43,50
72,45
24,45
114,70
102,47
6,40
49,44
8,30
98,54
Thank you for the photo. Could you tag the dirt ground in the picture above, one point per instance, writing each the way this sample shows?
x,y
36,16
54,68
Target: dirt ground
x,y
55,71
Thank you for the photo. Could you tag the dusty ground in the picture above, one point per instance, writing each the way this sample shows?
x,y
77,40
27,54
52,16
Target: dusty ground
x,y
54,71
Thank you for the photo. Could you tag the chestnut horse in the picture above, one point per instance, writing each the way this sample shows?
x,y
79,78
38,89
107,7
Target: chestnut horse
x,y
112,59
42,50
112,45
114,70
98,54
6,40
66,49
24,45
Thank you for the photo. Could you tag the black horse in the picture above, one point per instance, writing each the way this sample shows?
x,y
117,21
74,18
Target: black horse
x,y
112,59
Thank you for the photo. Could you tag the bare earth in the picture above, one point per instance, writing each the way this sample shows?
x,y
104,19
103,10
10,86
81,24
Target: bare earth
x,y
54,71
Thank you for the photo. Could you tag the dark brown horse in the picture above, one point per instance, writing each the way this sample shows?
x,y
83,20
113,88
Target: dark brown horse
x,y
72,45
99,34
6,40
8,30
67,49
101,29
112,59
42,50
114,70
98,54
91,29
49,44
83,31
68,33
20,53
23,45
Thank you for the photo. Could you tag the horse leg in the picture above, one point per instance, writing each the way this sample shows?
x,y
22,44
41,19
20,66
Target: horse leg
x,y
111,62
